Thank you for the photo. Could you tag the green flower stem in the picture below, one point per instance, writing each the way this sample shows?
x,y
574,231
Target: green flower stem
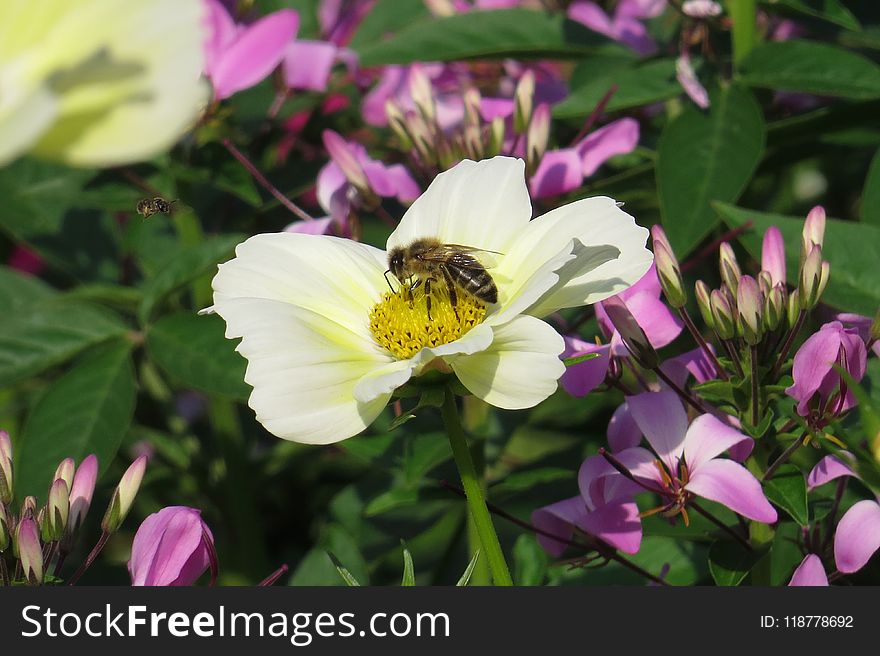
x,y
743,14
473,491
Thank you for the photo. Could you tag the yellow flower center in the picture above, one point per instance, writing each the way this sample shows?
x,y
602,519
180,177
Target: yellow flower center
x,y
400,323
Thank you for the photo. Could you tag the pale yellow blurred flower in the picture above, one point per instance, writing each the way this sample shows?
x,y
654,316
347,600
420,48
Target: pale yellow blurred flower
x,y
98,82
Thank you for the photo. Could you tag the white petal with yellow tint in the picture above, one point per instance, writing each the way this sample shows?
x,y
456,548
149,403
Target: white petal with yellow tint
x,y
337,278
520,368
303,368
22,124
609,249
481,204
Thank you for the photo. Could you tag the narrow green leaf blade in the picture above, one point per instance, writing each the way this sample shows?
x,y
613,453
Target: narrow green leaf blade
x,y
871,193
409,572
469,570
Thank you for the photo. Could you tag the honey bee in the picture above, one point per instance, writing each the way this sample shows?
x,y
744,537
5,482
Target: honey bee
x,y
428,261
147,207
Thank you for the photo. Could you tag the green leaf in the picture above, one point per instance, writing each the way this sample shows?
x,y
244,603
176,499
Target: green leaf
x,y
788,490
469,570
638,85
87,410
522,481
194,351
568,362
49,334
19,291
409,574
432,397
871,193
730,563
704,158
530,561
185,267
320,566
387,17
852,248
500,33
811,67
350,580
832,11
786,554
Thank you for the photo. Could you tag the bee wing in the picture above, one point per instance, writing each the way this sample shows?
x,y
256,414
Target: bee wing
x,y
462,256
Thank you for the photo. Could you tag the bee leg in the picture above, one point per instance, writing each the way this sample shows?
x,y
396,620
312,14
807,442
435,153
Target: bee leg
x,y
428,296
388,281
453,295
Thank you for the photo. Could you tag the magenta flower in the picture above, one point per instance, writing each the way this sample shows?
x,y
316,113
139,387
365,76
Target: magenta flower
x,y
828,469
307,64
809,573
563,170
340,18
661,327
625,25
863,327
687,78
238,56
818,388
351,170
858,536
81,491
27,261
397,83
172,547
689,464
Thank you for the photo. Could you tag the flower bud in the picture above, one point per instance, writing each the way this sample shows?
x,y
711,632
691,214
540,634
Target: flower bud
x,y
397,123
65,471
496,136
29,507
4,529
422,139
704,303
794,308
171,547
813,278
730,271
775,307
722,315
773,255
472,100
814,230
631,332
422,92
81,492
54,520
5,468
523,99
123,495
750,308
30,552
765,282
473,142
537,136
667,269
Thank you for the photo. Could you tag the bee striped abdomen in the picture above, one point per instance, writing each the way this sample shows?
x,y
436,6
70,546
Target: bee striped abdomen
x,y
474,279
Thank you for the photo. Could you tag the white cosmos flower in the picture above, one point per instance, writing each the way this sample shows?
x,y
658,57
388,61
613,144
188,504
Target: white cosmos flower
x,y
327,343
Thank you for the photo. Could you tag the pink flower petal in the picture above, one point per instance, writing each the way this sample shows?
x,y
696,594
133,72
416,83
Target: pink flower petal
x,y
640,8
809,573
600,483
617,523
307,64
164,548
582,378
691,363
623,432
255,53
826,470
631,32
661,326
857,536
491,108
663,421
558,519
220,31
707,438
313,227
591,15
558,173
732,485
390,84
687,78
813,363
616,138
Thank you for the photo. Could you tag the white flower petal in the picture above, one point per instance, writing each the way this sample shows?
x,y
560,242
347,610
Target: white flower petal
x,y
601,230
336,278
479,204
519,370
304,368
383,381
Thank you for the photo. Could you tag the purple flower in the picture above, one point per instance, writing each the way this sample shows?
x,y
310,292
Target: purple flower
x,y
857,537
828,469
809,573
171,547
81,491
818,388
307,64
563,170
340,18
863,327
625,25
689,463
237,56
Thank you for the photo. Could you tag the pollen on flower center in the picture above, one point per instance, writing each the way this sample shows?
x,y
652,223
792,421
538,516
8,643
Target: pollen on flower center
x,y
400,323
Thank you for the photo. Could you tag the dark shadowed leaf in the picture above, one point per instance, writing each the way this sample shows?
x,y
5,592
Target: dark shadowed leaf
x,y
730,563
871,193
788,490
